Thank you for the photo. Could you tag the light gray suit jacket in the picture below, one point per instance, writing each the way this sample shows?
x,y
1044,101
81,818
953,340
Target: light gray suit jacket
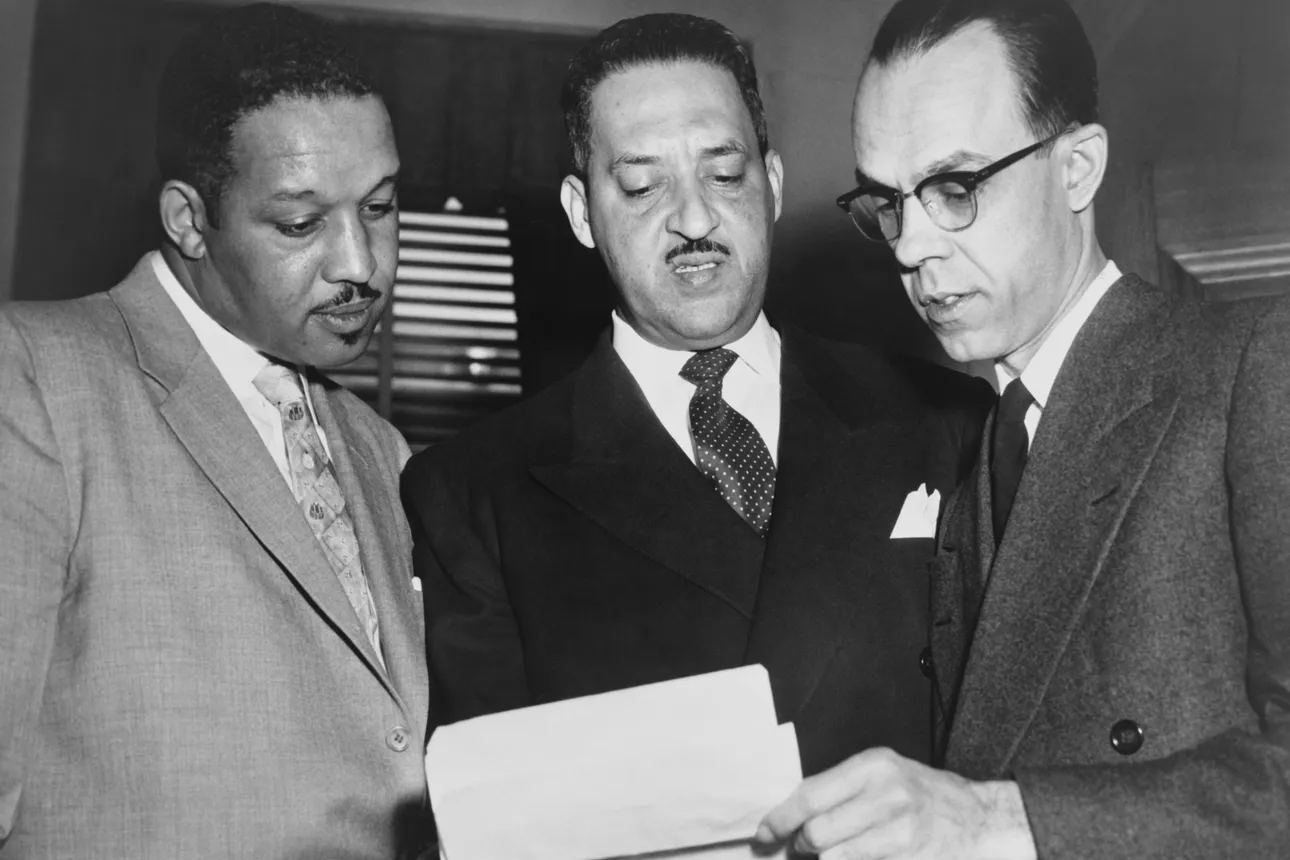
x,y
1143,580
181,673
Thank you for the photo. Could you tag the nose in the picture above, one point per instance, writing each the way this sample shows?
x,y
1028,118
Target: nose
x,y
351,257
693,215
919,239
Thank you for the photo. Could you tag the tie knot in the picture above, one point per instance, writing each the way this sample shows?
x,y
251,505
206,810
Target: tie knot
x,y
279,385
1014,402
708,365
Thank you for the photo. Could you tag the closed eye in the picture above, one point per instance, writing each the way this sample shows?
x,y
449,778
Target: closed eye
x,y
298,229
376,211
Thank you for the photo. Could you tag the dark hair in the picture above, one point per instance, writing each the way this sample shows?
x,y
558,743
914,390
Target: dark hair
x,y
666,37
1048,51
234,64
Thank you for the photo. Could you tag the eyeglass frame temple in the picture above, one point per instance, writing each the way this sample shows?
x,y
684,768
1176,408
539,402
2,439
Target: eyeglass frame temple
x,y
969,179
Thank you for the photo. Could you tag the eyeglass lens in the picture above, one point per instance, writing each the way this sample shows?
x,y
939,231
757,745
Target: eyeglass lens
x,y
949,204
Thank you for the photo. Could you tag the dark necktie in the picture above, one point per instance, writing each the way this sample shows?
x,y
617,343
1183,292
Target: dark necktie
x,y
728,449
1008,450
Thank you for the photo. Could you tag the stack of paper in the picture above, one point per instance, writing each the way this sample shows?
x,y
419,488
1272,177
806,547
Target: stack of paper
x,y
687,767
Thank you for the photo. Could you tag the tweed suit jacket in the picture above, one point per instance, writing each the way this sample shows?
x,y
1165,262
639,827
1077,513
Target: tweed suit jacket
x,y
570,547
181,673
1143,581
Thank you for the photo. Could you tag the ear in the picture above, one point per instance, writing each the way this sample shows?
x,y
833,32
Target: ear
x,y
573,197
775,173
183,217
1085,165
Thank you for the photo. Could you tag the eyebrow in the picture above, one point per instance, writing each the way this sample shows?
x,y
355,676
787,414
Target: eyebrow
x,y
958,160
632,160
309,193
729,147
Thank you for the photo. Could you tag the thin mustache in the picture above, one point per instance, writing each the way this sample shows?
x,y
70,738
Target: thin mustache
x,y
348,293
699,246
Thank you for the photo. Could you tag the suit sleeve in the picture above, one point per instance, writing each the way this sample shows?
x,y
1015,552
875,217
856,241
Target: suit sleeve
x,y
1228,797
473,644
34,535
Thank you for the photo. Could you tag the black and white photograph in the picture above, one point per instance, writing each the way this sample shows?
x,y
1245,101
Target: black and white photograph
x,y
603,429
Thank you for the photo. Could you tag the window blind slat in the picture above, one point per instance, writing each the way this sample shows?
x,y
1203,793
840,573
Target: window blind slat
x,y
445,353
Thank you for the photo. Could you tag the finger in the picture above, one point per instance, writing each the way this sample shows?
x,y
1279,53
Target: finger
x,y
818,794
852,823
885,840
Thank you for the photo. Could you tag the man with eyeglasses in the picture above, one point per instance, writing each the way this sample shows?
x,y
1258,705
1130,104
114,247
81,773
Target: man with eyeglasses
x,y
1111,593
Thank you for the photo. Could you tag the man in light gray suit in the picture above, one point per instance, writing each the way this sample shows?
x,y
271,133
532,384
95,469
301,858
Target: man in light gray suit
x,y
210,640
1111,593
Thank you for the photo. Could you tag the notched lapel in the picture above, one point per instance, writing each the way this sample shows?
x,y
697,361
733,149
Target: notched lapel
x,y
1124,454
626,475
828,551
674,518
1130,432
1109,411
197,404
210,423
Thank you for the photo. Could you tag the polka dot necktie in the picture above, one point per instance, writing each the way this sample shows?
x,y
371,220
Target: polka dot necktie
x,y
314,483
728,449
1009,451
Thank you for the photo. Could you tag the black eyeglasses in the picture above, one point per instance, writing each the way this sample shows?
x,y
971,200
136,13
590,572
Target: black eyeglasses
x,y
948,198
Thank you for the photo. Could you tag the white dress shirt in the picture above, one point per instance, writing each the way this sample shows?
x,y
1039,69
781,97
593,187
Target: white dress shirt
x,y
751,385
238,363
1041,372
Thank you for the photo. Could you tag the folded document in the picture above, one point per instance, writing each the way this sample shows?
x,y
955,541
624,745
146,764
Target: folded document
x,y
684,768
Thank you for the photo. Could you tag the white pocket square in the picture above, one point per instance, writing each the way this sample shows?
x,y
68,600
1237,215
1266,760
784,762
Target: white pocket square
x,y
918,515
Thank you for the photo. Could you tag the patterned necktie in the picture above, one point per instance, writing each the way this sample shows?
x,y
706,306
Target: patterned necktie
x,y
1008,452
729,450
314,482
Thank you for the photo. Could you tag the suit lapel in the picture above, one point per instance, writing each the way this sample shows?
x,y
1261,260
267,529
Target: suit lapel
x,y
211,424
626,474
825,550
385,550
1109,409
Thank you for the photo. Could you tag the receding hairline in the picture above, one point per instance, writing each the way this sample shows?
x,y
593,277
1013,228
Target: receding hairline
x,y
921,48
914,52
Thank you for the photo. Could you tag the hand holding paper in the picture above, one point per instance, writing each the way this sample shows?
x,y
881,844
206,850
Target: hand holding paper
x,y
672,767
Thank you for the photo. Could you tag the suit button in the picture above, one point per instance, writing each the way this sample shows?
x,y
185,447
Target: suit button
x,y
925,663
1126,737
397,739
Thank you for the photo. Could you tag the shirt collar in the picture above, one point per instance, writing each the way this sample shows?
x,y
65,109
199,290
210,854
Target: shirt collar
x,y
236,360
759,349
1041,372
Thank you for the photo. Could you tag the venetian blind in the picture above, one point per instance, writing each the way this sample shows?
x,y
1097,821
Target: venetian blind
x,y
446,351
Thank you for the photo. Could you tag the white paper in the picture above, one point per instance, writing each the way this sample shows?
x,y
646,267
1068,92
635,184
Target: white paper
x,y
670,767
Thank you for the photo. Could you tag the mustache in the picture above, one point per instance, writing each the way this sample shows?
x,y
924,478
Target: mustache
x,y
349,291
697,246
